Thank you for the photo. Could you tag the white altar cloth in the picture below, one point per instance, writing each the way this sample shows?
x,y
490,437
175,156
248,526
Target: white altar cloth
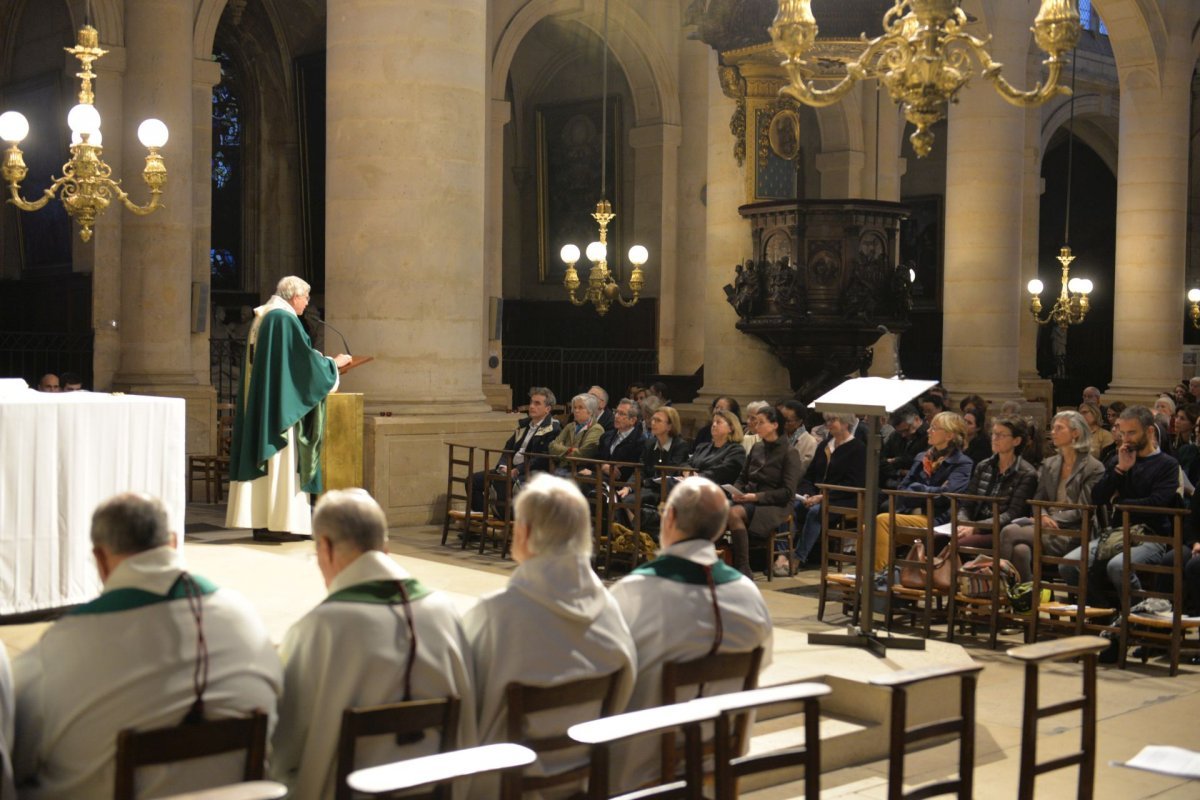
x,y
62,454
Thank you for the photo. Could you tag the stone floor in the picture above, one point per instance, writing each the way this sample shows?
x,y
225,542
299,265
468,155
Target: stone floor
x,y
1140,705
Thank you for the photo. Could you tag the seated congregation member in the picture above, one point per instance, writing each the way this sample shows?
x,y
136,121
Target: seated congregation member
x,y
1092,395
664,446
648,405
1191,562
1185,444
531,439
1141,475
841,460
580,438
1067,477
554,622
623,443
379,637
605,416
158,646
909,439
750,427
721,458
724,403
765,488
979,444
793,413
931,403
71,382
1100,438
1111,413
685,605
942,469
49,383
1006,476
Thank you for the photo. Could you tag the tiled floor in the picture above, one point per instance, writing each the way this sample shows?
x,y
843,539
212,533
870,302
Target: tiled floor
x,y
1139,705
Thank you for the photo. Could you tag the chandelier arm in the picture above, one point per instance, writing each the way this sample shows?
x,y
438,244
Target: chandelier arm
x,y
574,300
990,69
859,69
627,303
141,211
33,205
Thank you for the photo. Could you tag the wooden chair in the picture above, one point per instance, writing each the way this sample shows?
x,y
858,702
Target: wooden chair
x,y
191,740
962,727
965,610
768,546
496,527
702,673
441,769
1033,656
926,601
591,696
1059,615
459,469
213,469
598,490
252,790
1152,630
407,722
841,525
630,509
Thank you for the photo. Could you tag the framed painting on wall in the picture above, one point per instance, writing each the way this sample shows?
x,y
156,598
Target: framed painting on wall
x,y
568,180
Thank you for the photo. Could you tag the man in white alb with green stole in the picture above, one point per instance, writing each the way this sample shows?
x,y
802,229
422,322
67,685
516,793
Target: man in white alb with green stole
x,y
684,605
279,420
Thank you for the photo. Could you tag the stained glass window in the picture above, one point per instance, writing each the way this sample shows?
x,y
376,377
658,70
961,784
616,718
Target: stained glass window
x,y
226,247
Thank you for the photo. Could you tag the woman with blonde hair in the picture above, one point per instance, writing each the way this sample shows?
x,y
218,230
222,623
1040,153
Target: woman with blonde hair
x,y
1099,437
721,458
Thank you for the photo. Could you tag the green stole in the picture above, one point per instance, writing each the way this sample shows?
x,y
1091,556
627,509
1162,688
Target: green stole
x,y
129,598
380,592
681,570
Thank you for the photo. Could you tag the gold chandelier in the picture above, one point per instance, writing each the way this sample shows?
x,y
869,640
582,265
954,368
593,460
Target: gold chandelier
x,y
923,58
602,290
86,184
1193,297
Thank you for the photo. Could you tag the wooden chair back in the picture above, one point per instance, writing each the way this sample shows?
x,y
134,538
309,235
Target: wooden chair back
x,y
408,722
497,522
901,539
1033,656
584,694
191,740
1059,615
627,511
841,525
965,611
460,466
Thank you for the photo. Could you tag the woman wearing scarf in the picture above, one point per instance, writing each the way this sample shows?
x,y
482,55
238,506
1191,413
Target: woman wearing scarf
x,y
943,469
1004,475
580,439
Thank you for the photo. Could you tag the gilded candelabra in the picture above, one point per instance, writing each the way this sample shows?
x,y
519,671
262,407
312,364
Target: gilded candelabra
x,y
86,187
602,290
923,58
1193,297
1072,304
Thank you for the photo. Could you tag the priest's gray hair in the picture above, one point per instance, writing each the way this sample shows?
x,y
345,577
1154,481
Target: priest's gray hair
x,y
130,523
589,400
701,508
559,519
350,517
291,286
1076,422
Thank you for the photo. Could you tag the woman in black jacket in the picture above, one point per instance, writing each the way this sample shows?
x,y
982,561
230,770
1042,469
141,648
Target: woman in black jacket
x,y
722,457
841,459
765,489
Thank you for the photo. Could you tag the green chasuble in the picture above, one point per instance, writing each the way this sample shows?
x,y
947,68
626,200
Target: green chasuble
x,y
283,384
681,570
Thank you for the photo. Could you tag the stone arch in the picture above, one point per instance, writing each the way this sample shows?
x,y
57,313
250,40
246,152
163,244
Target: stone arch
x,y
1138,34
1096,125
651,79
204,29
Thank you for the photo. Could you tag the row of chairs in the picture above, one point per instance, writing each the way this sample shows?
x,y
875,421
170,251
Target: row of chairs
x,y
1057,607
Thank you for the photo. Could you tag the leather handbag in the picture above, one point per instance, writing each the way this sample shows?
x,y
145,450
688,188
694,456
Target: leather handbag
x,y
914,576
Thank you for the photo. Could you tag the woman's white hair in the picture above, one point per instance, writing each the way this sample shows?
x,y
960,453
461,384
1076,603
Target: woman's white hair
x,y
590,401
291,286
558,516
1077,423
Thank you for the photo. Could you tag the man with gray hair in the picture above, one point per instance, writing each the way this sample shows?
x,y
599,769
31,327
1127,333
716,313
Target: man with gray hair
x,y
554,622
379,637
158,646
531,439
279,419
684,605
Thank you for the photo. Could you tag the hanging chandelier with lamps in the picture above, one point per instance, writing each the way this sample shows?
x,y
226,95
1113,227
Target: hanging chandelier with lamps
x,y
1071,307
601,289
86,187
923,58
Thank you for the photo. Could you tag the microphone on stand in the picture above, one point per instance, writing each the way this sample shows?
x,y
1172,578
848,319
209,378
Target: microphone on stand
x,y
339,333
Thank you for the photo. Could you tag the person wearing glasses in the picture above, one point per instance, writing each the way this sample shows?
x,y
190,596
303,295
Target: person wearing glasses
x,y
1004,475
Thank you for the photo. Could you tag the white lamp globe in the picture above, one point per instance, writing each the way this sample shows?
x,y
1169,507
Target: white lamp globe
x,y
569,253
1073,286
83,118
1194,295
95,139
13,126
152,133
912,276
597,251
638,255
1085,285
1035,286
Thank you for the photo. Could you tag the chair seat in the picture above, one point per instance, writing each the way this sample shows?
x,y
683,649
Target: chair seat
x,y
1065,610
980,602
905,592
1162,622
841,578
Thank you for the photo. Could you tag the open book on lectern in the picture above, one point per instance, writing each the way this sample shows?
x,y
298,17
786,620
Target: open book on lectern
x,y
872,397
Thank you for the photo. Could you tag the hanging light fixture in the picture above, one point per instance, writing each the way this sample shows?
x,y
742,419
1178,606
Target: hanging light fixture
x,y
602,290
86,187
1071,307
923,58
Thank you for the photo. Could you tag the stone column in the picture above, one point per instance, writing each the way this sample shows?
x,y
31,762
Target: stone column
x,y
1152,186
499,115
104,251
985,149
735,363
405,232
656,168
156,281
205,75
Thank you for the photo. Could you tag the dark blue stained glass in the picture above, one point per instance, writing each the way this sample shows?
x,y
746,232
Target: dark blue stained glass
x,y
221,170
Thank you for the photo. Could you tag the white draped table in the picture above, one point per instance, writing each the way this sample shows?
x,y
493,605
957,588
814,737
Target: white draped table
x,y
62,454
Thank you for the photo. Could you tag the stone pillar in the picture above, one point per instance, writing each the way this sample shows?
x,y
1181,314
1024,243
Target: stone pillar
x,y
104,251
1152,188
735,363
985,149
841,173
205,75
499,115
405,233
656,168
156,281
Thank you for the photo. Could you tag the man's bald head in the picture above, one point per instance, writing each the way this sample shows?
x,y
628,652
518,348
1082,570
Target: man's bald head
x,y
49,383
1091,395
696,509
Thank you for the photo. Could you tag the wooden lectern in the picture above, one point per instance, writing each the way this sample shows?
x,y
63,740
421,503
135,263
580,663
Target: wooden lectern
x,y
342,452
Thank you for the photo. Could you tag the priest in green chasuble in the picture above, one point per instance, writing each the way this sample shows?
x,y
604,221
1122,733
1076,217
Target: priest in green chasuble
x,y
279,419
